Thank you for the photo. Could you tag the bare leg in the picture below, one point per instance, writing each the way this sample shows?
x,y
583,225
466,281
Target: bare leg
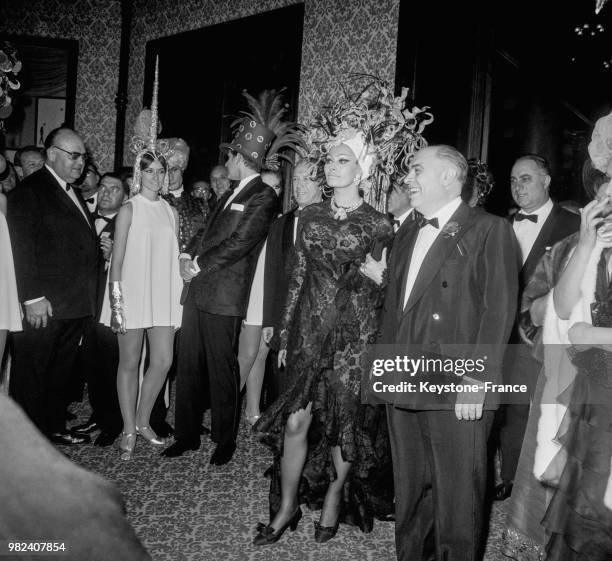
x,y
333,497
254,381
161,341
130,345
248,345
292,463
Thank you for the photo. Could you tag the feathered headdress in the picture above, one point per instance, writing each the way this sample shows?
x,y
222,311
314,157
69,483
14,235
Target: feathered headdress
x,y
261,135
378,127
145,141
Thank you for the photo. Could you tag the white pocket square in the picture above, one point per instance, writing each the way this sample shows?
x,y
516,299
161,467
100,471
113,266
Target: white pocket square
x,y
236,206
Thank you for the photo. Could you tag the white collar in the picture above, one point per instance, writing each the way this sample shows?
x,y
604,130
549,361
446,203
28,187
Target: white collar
x,y
544,209
402,217
246,180
109,216
444,214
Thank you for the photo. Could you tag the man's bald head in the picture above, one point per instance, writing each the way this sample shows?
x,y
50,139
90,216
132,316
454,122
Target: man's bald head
x,y
65,153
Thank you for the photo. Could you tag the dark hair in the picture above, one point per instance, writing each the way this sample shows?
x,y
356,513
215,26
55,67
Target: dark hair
x,y
117,175
31,148
539,161
148,158
52,136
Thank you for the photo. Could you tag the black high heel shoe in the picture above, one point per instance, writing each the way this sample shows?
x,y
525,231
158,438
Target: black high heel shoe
x,y
268,535
325,533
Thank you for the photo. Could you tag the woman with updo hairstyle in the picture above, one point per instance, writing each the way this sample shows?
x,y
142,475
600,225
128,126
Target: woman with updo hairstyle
x,y
330,450
143,295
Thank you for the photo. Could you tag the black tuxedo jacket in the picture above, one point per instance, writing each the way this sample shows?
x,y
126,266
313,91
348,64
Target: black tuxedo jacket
x,y
465,292
559,224
102,264
280,251
227,249
55,247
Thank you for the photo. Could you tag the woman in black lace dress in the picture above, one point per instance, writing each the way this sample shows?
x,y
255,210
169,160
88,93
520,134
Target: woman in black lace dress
x,y
330,451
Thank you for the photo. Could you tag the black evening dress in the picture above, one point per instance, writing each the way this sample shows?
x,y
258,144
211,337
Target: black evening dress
x,y
331,317
579,523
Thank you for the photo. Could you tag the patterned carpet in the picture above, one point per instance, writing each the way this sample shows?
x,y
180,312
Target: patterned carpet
x,y
187,510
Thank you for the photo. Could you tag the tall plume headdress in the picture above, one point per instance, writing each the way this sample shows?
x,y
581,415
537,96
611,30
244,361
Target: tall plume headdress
x,y
145,141
262,136
377,126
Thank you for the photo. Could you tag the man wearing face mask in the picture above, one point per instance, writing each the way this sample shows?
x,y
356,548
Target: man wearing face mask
x,y
55,249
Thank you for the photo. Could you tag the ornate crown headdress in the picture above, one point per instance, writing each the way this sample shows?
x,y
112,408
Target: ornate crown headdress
x,y
10,66
261,135
379,128
145,141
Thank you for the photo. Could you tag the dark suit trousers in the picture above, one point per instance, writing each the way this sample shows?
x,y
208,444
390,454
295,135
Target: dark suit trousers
x,y
43,363
440,477
520,368
207,372
100,354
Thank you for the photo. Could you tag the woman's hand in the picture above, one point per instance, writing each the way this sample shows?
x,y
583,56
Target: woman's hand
x,y
580,334
591,218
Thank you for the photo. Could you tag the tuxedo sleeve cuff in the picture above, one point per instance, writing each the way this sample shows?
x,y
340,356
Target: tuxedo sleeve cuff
x,y
33,301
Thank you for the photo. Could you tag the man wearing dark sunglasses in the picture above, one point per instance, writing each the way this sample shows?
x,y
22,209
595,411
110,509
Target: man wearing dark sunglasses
x,y
55,251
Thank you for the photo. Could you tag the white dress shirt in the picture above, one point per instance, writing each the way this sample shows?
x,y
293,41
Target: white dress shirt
x,y
425,239
527,231
240,187
101,223
70,192
401,219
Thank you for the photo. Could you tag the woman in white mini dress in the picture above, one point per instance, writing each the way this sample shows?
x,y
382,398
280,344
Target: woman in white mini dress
x,y
10,312
144,295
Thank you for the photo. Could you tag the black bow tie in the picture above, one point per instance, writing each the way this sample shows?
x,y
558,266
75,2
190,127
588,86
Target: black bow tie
x,y
68,187
520,216
422,221
105,218
90,201
396,223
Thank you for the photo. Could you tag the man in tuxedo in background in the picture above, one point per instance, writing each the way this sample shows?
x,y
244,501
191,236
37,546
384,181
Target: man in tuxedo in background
x,y
99,350
218,269
56,253
279,260
538,225
452,280
219,183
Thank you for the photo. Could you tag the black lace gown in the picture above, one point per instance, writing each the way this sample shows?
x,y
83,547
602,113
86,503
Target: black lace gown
x,y
579,523
331,316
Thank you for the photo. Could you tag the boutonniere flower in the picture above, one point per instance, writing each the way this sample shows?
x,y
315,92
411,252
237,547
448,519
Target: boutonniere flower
x,y
450,230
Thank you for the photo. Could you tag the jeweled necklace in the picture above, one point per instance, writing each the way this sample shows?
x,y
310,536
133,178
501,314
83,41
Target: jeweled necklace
x,y
341,212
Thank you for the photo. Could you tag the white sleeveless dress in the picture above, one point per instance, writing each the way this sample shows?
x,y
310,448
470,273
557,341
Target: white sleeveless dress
x,y
150,278
254,314
10,310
